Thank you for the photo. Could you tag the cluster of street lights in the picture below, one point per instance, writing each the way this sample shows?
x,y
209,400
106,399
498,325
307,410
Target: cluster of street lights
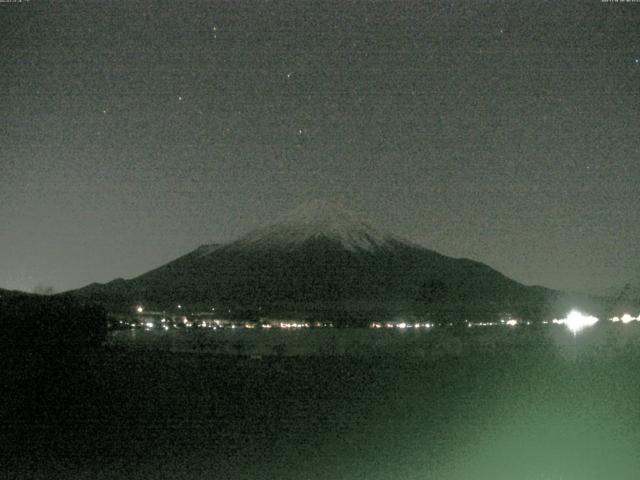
x,y
575,321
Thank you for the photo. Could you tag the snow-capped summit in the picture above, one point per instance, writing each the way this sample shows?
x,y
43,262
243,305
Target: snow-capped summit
x,y
319,219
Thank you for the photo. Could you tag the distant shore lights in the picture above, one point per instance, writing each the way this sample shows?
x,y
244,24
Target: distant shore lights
x,y
626,318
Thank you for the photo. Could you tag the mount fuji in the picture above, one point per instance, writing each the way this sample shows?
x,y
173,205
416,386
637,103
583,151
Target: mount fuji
x,y
321,260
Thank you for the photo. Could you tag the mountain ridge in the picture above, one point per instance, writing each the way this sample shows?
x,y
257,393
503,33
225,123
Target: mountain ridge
x,y
321,259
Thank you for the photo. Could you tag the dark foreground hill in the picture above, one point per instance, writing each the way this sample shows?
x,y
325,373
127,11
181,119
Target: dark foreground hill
x,y
48,324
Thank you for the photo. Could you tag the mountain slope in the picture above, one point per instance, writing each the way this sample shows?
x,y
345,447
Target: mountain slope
x,y
320,259
625,299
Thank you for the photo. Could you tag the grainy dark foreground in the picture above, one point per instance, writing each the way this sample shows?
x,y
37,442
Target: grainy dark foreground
x,y
530,413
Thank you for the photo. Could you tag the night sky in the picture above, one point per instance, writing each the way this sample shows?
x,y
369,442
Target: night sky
x,y
134,132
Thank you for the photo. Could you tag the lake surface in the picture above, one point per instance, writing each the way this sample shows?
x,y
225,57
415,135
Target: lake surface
x,y
550,406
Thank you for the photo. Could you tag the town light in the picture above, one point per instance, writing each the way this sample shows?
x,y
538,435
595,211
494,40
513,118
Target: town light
x,y
576,321
139,309
626,318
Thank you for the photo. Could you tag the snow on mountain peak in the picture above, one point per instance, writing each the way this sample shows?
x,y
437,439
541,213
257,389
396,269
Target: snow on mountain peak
x,y
319,219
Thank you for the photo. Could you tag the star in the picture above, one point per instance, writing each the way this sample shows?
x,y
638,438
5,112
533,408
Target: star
x,y
289,75
179,98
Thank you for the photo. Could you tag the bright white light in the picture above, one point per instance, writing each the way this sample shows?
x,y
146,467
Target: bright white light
x,y
576,321
402,325
149,324
139,309
626,318
615,319
511,322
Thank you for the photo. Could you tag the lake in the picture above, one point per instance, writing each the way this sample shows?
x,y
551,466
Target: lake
x,y
504,404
